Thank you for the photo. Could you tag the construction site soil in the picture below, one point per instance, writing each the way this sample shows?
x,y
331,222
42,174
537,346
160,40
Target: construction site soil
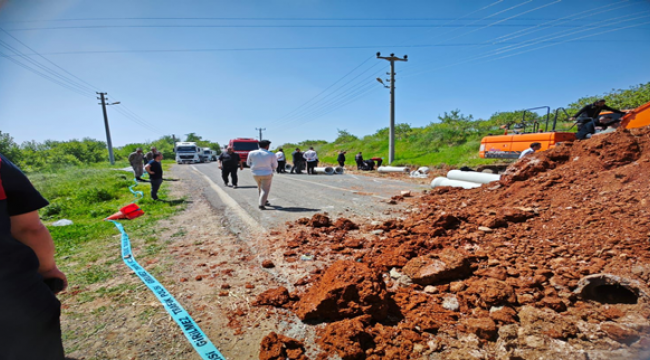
x,y
551,262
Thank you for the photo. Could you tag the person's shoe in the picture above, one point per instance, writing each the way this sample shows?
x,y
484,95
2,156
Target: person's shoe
x,y
268,203
234,186
228,185
262,207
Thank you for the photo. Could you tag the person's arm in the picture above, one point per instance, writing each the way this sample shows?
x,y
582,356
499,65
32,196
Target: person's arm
x,y
131,158
274,163
248,160
584,108
613,110
148,169
29,230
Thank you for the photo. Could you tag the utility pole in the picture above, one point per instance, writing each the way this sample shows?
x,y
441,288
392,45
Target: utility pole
x,y
391,141
111,158
260,130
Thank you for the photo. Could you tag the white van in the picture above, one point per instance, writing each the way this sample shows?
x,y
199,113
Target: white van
x,y
187,153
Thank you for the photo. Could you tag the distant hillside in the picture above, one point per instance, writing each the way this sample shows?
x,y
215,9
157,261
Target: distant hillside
x,y
455,138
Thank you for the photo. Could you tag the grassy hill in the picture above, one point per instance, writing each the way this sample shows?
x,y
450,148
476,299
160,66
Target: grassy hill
x,y
455,138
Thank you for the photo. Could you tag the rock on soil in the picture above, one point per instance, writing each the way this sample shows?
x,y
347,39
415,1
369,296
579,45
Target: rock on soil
x,y
280,347
347,289
513,292
274,297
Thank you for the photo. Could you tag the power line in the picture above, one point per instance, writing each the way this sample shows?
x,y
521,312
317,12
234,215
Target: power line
x,y
327,88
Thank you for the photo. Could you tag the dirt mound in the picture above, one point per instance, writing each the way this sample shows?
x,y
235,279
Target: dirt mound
x,y
347,289
280,347
509,286
319,220
273,297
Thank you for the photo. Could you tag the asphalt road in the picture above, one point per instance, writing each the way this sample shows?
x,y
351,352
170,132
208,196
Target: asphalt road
x,y
293,196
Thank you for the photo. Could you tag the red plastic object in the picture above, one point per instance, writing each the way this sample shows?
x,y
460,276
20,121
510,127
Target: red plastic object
x,y
129,212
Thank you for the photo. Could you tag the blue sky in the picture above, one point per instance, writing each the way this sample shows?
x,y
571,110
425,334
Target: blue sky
x,y
224,68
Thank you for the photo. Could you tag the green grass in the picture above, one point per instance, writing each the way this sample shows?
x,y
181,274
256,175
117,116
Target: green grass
x,y
86,195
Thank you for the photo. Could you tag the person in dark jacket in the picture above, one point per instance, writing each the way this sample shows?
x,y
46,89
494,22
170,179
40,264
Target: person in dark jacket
x,y
359,160
298,161
341,158
155,170
593,110
229,162
29,311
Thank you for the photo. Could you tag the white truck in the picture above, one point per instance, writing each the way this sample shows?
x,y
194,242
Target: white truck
x,y
188,152
209,154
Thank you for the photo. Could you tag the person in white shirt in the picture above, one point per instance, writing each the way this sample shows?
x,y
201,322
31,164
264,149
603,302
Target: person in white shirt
x,y
312,159
263,163
533,147
282,161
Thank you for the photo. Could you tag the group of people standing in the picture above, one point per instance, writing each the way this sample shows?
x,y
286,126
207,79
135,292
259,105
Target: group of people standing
x,y
151,163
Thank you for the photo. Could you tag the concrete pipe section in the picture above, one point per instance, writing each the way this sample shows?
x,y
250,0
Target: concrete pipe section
x,y
288,167
472,176
339,170
394,169
443,181
324,170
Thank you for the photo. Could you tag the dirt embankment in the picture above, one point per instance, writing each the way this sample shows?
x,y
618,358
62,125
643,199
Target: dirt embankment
x,y
553,261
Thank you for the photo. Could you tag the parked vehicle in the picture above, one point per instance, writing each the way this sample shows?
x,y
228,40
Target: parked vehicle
x,y
210,154
243,146
188,153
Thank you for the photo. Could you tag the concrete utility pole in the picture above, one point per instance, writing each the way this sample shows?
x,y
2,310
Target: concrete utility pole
x,y
391,141
111,158
260,130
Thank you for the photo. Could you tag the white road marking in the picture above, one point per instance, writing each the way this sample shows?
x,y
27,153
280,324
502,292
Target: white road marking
x,y
338,188
232,204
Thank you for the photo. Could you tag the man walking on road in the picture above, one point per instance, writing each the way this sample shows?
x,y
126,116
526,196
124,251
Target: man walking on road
x,y
229,162
297,161
154,168
135,159
263,163
312,160
282,161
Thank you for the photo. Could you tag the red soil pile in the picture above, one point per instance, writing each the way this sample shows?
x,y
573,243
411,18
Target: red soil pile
x,y
273,297
504,260
347,289
280,347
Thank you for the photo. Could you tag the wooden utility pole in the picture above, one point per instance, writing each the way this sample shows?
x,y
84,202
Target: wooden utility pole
x,y
111,158
391,141
260,130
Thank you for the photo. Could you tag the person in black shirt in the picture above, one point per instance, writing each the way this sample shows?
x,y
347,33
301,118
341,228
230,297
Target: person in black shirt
x,y
29,311
341,158
154,168
298,161
593,110
229,162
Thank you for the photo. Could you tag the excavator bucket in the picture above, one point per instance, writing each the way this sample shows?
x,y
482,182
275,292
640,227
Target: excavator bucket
x,y
637,118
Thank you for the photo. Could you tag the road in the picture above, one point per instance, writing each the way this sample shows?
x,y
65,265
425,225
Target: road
x,y
293,196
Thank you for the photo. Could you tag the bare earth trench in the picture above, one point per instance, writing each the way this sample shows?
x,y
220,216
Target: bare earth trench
x,y
210,260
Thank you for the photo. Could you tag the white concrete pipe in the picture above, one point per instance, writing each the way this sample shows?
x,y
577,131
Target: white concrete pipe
x,y
324,170
338,170
443,181
472,176
394,169
287,167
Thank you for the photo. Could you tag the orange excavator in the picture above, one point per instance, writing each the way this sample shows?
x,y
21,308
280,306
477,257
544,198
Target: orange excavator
x,y
509,146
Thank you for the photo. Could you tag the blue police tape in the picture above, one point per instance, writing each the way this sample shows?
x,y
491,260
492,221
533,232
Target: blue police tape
x,y
192,331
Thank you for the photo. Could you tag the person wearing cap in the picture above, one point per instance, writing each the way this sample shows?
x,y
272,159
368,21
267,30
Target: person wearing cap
x,y
263,163
135,159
